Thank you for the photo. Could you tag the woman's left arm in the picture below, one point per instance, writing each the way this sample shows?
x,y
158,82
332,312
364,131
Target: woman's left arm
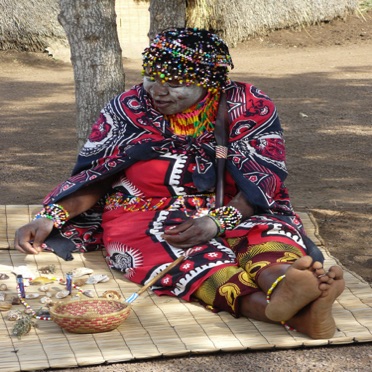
x,y
242,205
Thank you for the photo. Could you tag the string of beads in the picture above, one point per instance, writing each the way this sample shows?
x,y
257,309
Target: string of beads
x,y
54,212
30,310
268,297
225,218
273,286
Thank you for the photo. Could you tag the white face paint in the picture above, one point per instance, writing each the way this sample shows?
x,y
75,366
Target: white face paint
x,y
171,97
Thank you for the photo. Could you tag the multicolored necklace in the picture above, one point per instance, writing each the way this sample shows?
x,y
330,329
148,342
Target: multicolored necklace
x,y
198,119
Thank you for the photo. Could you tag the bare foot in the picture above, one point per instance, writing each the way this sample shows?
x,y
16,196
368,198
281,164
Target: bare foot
x,y
325,278
299,287
316,319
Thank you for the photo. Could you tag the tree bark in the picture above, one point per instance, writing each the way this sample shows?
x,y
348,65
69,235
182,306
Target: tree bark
x,y
165,14
96,57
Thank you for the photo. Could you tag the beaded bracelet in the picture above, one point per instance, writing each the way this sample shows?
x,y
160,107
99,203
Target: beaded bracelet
x,y
54,212
221,227
226,218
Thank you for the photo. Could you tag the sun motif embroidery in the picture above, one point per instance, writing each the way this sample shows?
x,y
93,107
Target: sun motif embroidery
x,y
124,258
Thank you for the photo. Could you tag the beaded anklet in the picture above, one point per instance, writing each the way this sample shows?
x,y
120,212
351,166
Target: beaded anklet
x,y
268,297
271,289
54,212
287,327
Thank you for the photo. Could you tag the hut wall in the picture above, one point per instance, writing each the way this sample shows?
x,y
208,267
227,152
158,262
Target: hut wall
x,y
234,20
239,20
29,25
32,25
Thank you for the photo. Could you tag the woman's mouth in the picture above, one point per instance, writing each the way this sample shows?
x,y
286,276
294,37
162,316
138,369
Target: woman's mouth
x,y
161,104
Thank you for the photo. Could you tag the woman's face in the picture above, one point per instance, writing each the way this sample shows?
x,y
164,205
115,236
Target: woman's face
x,y
172,97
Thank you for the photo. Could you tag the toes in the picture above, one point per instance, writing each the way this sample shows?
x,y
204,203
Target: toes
x,y
325,285
331,274
325,279
317,265
337,272
320,272
303,263
318,269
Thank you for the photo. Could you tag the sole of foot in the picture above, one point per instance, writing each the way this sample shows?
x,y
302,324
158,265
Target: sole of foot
x,y
298,289
316,319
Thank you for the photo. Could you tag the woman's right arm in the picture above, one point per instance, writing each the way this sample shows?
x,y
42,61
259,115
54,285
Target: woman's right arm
x,y
30,237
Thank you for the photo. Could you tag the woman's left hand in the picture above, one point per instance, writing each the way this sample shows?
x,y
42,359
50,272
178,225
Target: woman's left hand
x,y
193,232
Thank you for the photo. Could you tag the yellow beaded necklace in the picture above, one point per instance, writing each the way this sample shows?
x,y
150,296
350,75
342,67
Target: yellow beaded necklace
x,y
197,119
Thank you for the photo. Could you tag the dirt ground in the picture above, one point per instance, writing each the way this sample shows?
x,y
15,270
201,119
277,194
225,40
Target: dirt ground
x,y
320,77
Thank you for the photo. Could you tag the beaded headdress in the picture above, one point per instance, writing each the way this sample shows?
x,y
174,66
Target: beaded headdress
x,y
189,55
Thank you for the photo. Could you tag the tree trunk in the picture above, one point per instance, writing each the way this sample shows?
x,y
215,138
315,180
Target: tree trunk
x,y
96,57
165,14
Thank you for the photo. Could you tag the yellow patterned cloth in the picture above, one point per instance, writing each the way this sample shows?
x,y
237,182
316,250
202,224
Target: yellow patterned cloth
x,y
224,289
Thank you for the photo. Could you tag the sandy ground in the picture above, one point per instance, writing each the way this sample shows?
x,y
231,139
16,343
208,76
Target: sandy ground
x,y
320,78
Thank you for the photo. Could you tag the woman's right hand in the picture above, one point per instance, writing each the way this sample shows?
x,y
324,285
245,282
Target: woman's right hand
x,y
29,238
192,232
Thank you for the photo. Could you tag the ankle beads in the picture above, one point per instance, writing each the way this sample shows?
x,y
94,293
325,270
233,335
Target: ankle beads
x,y
268,296
271,289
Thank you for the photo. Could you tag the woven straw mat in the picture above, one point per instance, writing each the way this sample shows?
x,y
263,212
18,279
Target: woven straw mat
x,y
156,326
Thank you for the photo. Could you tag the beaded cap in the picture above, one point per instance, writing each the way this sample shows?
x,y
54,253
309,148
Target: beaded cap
x,y
189,56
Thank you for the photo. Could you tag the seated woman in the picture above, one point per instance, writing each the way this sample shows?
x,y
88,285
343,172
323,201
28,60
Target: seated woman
x,y
144,188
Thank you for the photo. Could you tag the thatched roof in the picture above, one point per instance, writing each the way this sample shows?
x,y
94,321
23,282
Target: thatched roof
x,y
29,25
32,25
238,20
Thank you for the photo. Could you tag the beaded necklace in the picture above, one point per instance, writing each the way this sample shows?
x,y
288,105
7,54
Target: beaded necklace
x,y
197,119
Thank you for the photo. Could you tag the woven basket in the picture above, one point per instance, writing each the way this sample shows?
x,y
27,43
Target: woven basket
x,y
92,315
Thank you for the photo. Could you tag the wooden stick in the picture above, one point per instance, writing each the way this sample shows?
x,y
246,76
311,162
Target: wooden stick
x,y
160,275
220,133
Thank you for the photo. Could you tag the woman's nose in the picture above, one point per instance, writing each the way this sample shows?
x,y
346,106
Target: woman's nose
x,y
160,89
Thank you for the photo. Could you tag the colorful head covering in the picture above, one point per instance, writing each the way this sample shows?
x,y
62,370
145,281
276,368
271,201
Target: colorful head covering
x,y
189,55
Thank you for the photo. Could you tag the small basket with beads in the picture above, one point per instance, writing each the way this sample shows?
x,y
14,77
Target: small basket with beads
x,y
92,315
99,314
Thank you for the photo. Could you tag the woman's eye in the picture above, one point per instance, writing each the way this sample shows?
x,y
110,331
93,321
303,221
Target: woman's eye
x,y
174,85
150,79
